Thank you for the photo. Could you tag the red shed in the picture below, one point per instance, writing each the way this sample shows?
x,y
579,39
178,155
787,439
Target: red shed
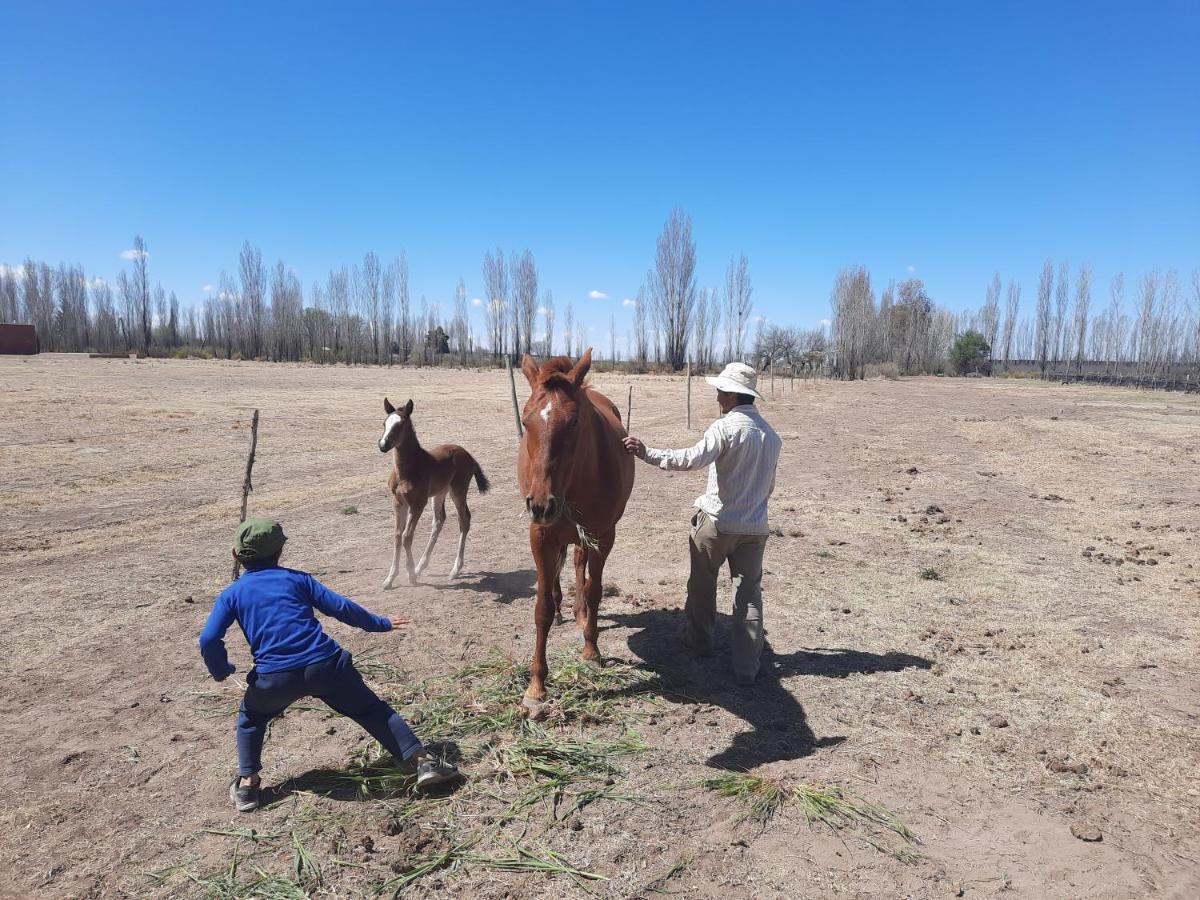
x,y
21,339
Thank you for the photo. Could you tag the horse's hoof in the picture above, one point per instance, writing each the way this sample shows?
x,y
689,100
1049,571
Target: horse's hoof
x,y
455,571
387,585
596,662
533,709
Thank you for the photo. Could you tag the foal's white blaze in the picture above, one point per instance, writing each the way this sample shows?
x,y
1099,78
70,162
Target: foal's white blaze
x,y
392,421
546,411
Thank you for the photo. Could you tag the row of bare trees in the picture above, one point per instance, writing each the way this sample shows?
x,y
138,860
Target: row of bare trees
x,y
365,314
905,328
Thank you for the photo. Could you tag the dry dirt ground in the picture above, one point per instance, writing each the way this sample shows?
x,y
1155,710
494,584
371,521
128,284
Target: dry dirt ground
x,y
981,611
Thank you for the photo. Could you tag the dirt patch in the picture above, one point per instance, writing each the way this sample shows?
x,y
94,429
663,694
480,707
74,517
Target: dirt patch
x,y
1064,605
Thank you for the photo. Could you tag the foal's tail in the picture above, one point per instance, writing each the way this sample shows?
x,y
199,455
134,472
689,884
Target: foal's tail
x,y
481,480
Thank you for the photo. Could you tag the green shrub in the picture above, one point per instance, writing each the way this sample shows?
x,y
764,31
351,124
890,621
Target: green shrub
x,y
971,354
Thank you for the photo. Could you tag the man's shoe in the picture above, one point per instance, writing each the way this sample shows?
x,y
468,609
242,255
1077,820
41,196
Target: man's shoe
x,y
244,797
432,771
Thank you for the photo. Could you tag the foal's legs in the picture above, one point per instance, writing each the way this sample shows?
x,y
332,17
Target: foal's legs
x,y
546,556
464,525
580,607
401,511
414,514
439,519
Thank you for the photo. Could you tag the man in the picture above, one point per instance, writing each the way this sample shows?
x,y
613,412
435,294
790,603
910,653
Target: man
x,y
730,523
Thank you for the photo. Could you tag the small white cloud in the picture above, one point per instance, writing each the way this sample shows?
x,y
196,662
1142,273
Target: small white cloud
x,y
597,295
542,310
628,302
208,289
912,269
97,283
759,319
826,322
134,254
475,301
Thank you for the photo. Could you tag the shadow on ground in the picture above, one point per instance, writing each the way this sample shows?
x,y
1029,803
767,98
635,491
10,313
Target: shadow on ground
x,y
381,779
507,586
779,727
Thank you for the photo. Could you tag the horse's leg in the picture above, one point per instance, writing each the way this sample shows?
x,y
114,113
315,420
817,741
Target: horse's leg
x,y
464,526
595,589
439,519
580,607
546,555
556,584
415,508
401,511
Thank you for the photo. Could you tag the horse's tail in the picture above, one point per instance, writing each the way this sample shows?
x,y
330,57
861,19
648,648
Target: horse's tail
x,y
481,480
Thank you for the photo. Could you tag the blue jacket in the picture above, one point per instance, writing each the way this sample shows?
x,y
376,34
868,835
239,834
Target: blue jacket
x,y
274,607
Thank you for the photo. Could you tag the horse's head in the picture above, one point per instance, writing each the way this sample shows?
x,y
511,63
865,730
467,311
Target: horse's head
x,y
552,426
397,424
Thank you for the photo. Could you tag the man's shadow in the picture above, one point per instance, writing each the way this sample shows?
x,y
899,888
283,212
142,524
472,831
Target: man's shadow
x,y
780,729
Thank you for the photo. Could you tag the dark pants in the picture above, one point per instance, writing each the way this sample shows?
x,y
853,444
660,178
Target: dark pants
x,y
333,680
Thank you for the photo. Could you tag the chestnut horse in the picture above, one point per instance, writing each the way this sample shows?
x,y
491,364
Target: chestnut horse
x,y
576,478
416,476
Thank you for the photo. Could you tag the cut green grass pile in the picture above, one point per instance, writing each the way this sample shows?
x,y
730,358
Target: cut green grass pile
x,y
826,804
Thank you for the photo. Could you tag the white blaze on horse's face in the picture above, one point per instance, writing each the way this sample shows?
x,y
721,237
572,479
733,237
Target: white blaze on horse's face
x,y
546,411
389,425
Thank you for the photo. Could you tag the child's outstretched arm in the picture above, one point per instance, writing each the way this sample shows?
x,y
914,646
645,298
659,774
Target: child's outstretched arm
x,y
344,609
212,640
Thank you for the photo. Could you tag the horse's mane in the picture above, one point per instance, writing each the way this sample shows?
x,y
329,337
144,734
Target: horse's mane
x,y
553,374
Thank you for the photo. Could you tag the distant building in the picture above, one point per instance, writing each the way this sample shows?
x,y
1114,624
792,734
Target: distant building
x,y
18,339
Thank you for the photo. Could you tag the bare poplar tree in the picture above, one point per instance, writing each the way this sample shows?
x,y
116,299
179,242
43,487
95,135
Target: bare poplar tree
x,y
989,315
641,337
700,321
525,296
1083,299
739,304
548,306
569,328
404,330
1061,301
458,329
1010,318
672,284
253,278
495,282
1044,319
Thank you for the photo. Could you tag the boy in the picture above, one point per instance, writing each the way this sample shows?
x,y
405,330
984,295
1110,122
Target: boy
x,y
294,658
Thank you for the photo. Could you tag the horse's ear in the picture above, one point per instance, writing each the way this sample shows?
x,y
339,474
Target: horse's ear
x,y
387,407
530,367
408,408
581,368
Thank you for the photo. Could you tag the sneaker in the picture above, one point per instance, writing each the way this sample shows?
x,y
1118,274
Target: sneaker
x,y
245,798
432,771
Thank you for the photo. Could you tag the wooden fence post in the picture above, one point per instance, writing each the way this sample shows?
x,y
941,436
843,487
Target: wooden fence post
x,y
512,384
689,393
629,409
247,486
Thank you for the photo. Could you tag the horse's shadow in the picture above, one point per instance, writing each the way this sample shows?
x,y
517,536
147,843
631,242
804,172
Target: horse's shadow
x,y
780,729
506,586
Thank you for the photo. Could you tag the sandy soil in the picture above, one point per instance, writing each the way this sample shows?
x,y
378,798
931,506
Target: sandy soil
x,y
1047,678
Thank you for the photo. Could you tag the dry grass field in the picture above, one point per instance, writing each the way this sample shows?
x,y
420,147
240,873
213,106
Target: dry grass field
x,y
982,612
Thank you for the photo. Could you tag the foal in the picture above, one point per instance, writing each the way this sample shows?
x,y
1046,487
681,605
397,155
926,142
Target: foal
x,y
418,475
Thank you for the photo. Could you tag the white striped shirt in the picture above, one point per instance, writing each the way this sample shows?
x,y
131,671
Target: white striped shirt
x,y
741,451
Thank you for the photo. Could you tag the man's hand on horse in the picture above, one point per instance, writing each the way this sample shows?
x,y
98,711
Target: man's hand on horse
x,y
636,447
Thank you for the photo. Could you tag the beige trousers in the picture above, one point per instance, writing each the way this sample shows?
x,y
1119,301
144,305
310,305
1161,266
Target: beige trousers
x,y
710,549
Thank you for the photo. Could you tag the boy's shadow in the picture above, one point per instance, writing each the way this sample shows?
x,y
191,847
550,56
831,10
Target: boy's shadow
x,y
780,727
376,780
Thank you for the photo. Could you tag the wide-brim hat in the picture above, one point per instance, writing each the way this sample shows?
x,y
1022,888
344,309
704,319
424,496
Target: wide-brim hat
x,y
736,378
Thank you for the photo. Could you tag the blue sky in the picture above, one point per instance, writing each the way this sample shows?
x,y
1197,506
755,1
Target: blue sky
x,y
952,138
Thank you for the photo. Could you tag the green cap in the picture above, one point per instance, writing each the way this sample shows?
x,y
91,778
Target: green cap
x,y
258,539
